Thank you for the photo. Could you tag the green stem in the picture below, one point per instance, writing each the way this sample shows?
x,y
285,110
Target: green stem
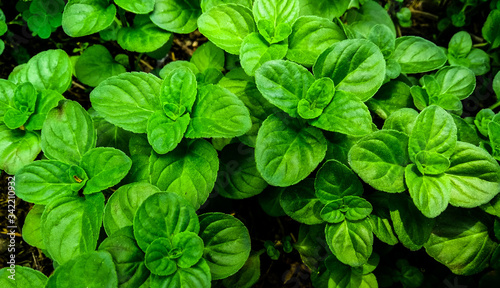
x,y
494,105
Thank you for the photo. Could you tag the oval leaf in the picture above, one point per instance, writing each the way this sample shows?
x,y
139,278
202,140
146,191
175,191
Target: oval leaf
x,y
417,55
85,17
178,16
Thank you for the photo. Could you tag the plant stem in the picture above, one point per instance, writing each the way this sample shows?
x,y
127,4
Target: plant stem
x,y
494,105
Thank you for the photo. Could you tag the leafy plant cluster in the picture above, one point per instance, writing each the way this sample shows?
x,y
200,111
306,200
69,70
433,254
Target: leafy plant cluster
x,y
320,107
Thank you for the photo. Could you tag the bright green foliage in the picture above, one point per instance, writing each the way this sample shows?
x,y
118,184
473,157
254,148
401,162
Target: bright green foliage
x,y
127,94
227,25
300,203
275,18
68,133
43,17
462,53
143,36
380,159
32,228
366,69
194,184
85,17
462,244
368,15
255,50
323,8
227,244
79,217
291,153
50,69
98,268
178,16
311,36
391,97
490,33
17,148
123,203
137,7
163,215
417,55
24,277
127,257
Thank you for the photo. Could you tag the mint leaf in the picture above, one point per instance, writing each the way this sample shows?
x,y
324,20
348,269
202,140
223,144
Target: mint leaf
x,y
227,25
68,133
178,16
287,151
226,241
85,17
417,55
128,100
300,203
96,65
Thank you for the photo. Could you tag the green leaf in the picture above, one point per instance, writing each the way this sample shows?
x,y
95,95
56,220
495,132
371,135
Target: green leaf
x,y
270,202
300,203
218,113
227,243
161,255
165,134
137,7
345,114
98,267
190,246
466,131
430,193
32,228
123,203
319,94
128,100
286,151
277,14
178,16
417,55
332,212
238,177
244,87
391,97
163,215
70,226
144,36
366,67
434,131
105,167
411,226
196,276
352,208
457,81
350,242
362,20
23,277
460,44
380,159
96,65
474,176
68,133
208,56
494,135
496,84
311,35
207,4
17,148
247,276
283,84
15,118
431,163
171,66
127,257
255,51
490,33
323,8
227,25
50,69
461,242
382,226
382,36
169,172
482,120
46,100
335,180
7,89
85,17
401,120
179,88
43,181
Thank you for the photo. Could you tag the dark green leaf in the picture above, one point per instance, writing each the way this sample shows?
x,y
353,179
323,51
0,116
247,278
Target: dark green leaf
x,y
300,203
